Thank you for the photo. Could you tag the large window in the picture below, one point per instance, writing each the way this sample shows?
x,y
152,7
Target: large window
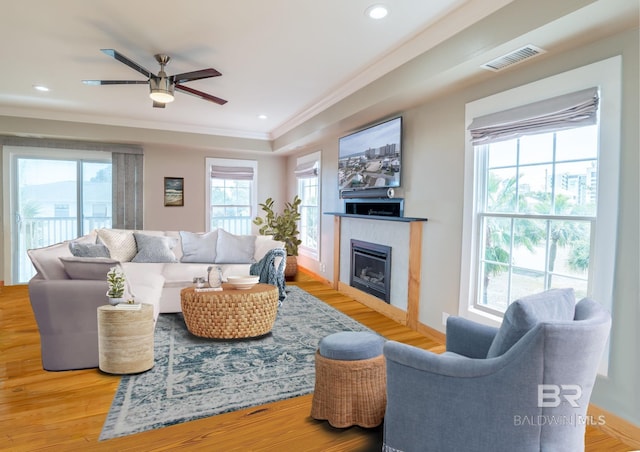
x,y
308,177
231,197
537,213
541,194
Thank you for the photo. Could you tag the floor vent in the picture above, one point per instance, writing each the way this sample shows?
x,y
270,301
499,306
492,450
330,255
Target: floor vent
x,y
515,57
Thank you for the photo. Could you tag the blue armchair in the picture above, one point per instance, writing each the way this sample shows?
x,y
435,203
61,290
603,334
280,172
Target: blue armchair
x,y
523,387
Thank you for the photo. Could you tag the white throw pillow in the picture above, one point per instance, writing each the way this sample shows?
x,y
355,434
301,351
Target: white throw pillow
x,y
121,243
235,249
199,248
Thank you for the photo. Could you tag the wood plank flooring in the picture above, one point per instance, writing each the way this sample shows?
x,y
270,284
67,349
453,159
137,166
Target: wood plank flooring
x,y
65,411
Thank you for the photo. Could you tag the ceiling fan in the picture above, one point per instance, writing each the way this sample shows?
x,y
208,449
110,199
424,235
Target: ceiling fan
x,y
161,86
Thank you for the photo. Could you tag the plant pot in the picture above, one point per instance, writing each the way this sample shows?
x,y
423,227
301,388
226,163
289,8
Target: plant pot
x,y
291,267
115,301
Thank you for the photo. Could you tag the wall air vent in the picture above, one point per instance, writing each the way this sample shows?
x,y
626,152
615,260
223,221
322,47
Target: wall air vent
x,y
515,57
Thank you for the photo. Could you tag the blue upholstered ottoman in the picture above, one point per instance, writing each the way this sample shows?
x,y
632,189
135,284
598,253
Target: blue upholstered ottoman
x,y
350,386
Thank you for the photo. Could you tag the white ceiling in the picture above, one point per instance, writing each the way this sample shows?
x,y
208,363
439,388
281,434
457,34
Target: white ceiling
x,y
286,59
280,58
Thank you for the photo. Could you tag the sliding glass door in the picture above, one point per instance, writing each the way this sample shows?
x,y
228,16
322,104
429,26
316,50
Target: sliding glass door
x,y
55,199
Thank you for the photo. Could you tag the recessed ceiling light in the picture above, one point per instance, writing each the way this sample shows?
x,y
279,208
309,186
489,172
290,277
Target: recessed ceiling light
x,y
377,11
40,88
262,116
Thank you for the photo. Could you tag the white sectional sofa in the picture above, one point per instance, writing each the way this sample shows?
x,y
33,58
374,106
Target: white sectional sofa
x,y
71,280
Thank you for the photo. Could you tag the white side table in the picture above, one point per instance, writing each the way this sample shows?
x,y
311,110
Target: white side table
x,y
125,339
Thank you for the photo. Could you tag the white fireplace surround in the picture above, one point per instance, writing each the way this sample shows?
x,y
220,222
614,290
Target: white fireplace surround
x,y
390,233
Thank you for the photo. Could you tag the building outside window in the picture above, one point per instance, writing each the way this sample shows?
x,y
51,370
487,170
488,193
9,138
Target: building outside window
x,y
308,186
61,210
231,197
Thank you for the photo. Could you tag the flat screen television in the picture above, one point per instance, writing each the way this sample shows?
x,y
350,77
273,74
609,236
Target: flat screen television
x,y
371,158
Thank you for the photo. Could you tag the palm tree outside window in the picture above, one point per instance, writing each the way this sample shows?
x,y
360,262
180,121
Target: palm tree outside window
x,y
537,215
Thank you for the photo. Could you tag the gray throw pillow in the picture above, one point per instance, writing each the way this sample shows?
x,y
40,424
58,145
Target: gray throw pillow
x,y
199,248
88,249
525,313
235,249
152,248
94,268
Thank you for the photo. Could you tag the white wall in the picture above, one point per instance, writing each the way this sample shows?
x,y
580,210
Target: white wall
x,y
393,234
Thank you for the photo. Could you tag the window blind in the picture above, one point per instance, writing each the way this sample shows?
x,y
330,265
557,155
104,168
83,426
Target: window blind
x,y
306,170
232,172
563,112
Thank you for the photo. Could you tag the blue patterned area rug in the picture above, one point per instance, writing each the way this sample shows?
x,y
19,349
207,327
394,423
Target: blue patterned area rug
x,y
194,377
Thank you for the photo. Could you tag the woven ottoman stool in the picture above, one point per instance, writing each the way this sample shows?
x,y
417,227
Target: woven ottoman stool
x,y
351,380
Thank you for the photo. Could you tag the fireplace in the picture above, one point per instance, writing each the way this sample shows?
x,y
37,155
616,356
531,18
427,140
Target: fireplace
x,y
371,268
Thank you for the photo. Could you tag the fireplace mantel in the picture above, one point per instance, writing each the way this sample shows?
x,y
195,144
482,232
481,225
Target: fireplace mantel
x,y
376,217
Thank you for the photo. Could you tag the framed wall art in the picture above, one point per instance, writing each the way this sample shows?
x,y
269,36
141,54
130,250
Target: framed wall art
x,y
174,191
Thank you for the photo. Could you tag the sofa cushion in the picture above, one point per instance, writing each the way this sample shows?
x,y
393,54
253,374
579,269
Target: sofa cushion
x,y
235,249
47,262
94,268
88,249
523,314
351,346
199,247
182,273
121,243
153,248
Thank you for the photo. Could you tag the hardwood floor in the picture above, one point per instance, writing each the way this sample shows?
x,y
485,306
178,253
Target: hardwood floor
x,y
63,411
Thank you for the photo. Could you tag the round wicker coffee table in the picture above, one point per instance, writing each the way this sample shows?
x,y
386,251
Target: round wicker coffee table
x,y
230,313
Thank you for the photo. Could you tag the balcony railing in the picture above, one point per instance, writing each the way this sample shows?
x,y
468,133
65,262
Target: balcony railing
x,y
44,231
240,225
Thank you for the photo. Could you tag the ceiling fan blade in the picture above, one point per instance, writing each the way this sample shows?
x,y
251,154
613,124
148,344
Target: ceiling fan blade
x,y
200,94
158,104
123,59
115,82
195,75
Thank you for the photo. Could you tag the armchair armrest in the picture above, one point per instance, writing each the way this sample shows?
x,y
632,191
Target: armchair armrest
x,y
468,338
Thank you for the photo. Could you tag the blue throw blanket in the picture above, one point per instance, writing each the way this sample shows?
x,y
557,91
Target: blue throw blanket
x,y
265,268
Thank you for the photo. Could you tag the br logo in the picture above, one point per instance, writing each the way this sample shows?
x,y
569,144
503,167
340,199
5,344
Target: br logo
x,y
550,396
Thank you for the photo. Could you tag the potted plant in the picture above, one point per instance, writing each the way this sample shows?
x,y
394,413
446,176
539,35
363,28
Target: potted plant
x,y
284,228
115,281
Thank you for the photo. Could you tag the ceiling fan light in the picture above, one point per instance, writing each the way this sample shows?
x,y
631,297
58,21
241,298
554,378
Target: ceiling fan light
x,y
158,95
161,90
